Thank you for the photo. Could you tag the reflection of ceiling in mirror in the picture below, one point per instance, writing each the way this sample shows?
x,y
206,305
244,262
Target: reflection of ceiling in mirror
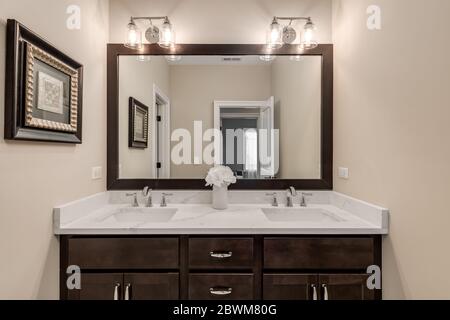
x,y
220,60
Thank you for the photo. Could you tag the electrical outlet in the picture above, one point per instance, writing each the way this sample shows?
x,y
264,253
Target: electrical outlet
x,y
97,173
343,173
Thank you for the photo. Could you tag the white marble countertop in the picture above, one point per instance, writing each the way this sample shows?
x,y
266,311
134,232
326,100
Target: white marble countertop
x,y
327,213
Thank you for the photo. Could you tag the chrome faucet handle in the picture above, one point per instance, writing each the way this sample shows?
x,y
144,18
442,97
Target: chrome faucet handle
x,y
163,199
274,199
135,203
303,200
147,192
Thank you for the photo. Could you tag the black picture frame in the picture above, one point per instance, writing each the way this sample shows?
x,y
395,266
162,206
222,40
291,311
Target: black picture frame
x,y
134,141
21,121
325,51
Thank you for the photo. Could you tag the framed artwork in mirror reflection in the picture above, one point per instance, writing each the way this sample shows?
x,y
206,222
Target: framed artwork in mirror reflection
x,y
138,124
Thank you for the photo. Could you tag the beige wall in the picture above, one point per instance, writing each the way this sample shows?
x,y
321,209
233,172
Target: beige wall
x,y
37,176
193,91
391,129
296,86
220,21
136,80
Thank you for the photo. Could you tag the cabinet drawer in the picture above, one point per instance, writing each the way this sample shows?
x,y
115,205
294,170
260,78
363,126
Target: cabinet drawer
x,y
217,253
221,287
124,253
318,253
289,286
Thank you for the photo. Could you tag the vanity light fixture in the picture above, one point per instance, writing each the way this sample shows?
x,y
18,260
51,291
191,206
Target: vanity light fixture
x,y
278,35
274,35
308,40
134,36
165,37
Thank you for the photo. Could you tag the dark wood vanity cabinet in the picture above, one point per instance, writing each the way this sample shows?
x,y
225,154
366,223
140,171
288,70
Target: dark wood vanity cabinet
x,y
221,267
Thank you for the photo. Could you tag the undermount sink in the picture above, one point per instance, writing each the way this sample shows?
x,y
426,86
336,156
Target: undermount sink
x,y
143,215
300,214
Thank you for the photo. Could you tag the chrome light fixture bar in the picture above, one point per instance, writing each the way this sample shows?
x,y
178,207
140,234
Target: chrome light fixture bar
x,y
165,37
278,35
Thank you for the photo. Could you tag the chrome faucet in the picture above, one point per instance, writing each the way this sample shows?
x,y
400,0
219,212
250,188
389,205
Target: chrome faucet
x,y
147,192
303,200
134,203
274,199
291,192
163,199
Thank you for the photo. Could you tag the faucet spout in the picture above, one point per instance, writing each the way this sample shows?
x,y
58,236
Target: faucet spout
x,y
291,192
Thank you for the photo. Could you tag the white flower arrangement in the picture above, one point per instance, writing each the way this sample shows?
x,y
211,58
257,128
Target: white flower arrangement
x,y
220,176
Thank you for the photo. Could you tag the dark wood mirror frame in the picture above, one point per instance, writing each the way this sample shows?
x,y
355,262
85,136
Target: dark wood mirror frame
x,y
323,50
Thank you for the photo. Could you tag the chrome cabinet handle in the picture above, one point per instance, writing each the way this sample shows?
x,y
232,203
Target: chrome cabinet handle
x,y
220,291
325,292
116,291
127,292
313,286
221,255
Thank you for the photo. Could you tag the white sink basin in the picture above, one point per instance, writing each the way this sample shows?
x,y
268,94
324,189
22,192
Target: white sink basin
x,y
300,214
142,215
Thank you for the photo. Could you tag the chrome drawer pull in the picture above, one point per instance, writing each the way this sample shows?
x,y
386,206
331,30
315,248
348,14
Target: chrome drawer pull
x,y
220,291
221,255
325,292
116,291
127,292
314,291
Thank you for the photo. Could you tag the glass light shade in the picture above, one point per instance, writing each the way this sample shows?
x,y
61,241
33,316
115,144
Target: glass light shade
x,y
167,37
173,58
275,36
267,58
308,38
134,37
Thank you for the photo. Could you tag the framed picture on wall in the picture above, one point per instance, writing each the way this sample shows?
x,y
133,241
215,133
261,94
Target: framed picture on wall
x,y
138,124
43,90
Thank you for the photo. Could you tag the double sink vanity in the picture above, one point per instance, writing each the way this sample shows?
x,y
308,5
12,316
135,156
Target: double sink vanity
x,y
272,115
252,250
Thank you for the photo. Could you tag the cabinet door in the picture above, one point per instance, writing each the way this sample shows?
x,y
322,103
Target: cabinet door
x,y
345,287
290,287
98,286
151,286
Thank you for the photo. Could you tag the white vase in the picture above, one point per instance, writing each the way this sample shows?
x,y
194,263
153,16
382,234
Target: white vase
x,y
220,198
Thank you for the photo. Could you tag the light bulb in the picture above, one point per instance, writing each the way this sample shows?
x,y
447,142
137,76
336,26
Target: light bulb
x,y
134,37
167,39
274,36
308,40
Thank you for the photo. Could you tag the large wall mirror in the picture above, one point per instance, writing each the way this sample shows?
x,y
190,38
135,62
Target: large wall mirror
x,y
174,115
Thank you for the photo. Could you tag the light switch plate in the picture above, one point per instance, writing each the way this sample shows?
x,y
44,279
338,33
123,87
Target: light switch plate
x,y
343,173
97,173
